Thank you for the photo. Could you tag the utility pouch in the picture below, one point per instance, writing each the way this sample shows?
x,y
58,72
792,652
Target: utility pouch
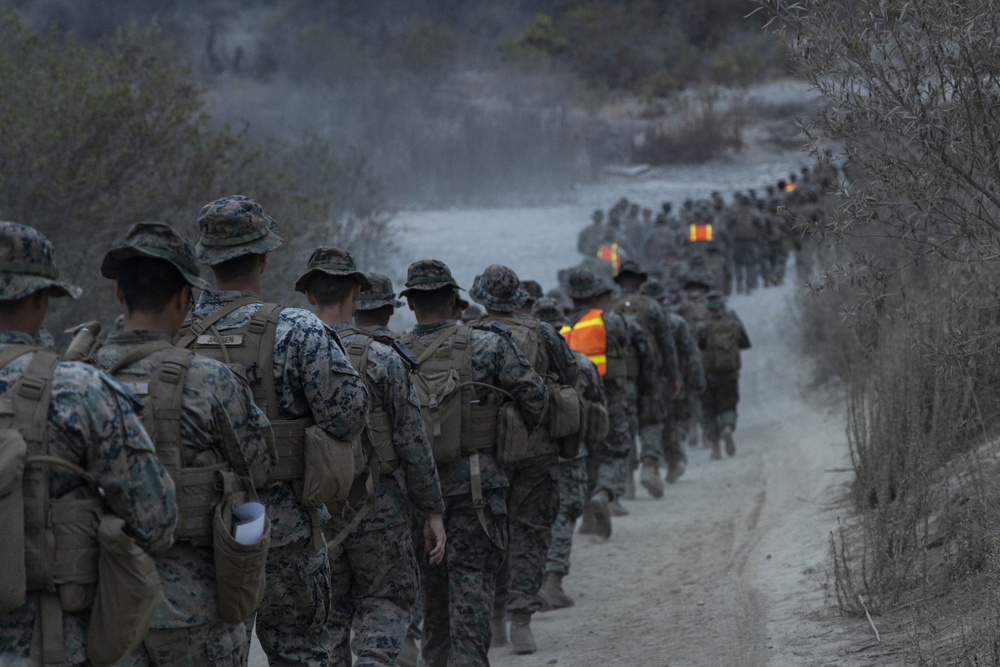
x,y
329,466
441,408
564,411
128,591
598,423
512,434
75,523
13,577
239,568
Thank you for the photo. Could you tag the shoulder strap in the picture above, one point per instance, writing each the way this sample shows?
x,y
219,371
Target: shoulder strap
x,y
138,354
438,342
198,326
15,351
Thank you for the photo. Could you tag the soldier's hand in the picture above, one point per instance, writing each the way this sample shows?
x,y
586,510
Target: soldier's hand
x,y
434,538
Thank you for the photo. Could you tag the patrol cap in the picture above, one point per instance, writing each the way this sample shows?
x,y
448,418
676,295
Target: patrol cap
x,y
498,288
27,264
331,262
582,283
379,293
232,227
631,266
155,240
426,275
549,310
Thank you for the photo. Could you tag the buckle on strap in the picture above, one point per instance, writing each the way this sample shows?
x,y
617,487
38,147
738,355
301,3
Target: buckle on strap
x,y
257,325
31,388
170,372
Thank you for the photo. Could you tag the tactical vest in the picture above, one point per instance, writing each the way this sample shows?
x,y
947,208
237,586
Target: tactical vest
x,y
378,431
249,350
59,554
457,423
163,392
590,336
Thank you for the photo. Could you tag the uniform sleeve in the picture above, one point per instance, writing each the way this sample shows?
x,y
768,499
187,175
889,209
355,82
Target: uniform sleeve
x,y
515,375
688,347
409,438
744,336
317,368
241,427
120,455
642,341
665,343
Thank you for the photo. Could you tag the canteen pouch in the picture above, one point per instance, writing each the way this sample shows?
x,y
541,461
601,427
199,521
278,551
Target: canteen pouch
x,y
441,408
128,591
512,440
329,466
598,423
76,522
564,411
13,576
239,568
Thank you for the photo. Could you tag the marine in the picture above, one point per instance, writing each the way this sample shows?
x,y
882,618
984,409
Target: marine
x,y
155,272
91,422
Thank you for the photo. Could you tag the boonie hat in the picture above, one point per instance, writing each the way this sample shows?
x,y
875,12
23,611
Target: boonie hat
x,y
379,294
631,266
27,264
549,310
155,240
332,262
534,290
232,227
428,274
499,289
582,283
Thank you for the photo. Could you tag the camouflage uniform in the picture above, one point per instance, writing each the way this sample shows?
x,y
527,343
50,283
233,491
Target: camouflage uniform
x,y
312,377
219,422
458,594
533,496
374,570
722,393
91,422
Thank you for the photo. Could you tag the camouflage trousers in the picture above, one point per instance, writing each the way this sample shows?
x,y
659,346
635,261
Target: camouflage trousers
x,y
533,500
291,621
573,487
608,460
746,264
374,575
417,610
215,644
20,636
632,410
718,403
458,594
660,441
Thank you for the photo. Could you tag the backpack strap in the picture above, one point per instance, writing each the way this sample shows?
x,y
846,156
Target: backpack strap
x,y
264,324
197,326
438,342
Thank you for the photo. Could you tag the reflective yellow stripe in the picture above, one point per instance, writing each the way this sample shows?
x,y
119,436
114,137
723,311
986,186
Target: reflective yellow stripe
x,y
598,359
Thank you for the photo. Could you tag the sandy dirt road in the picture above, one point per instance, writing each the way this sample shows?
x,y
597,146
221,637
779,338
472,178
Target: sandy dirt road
x,y
730,567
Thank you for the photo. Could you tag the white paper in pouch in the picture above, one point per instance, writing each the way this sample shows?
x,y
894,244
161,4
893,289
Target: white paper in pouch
x,y
248,523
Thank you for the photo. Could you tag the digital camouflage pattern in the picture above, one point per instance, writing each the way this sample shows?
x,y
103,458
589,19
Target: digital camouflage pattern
x,y
214,644
234,226
155,240
375,570
313,377
219,422
458,594
93,423
331,262
428,274
27,264
381,293
498,288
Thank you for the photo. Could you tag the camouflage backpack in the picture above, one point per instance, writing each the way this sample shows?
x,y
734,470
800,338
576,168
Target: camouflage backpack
x,y
721,353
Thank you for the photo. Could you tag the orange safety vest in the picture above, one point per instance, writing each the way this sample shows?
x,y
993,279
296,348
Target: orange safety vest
x,y
789,186
590,336
611,255
700,233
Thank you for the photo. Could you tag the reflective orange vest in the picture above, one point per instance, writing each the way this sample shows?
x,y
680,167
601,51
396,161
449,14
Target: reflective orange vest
x,y
789,186
611,255
700,233
590,336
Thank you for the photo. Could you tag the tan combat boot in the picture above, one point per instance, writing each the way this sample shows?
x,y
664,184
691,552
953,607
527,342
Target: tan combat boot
x,y
615,508
650,478
716,450
674,470
727,437
596,517
499,628
521,638
409,654
551,594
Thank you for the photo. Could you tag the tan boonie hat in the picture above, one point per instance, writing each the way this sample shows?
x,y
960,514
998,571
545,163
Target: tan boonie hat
x,y
582,283
232,227
332,262
499,289
380,294
155,240
428,274
549,310
27,264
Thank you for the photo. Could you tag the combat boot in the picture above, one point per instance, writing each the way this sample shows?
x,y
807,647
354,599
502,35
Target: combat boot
x,y
521,638
630,485
596,517
615,508
716,450
551,594
674,470
499,628
727,437
650,478
409,654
